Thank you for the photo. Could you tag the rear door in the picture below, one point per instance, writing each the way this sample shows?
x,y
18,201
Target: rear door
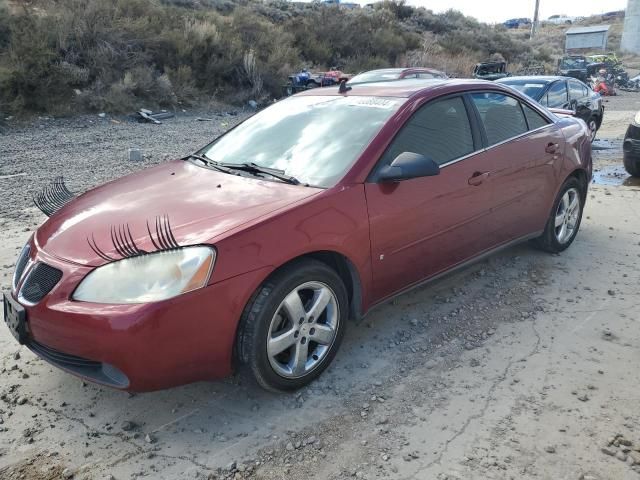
x,y
526,149
422,226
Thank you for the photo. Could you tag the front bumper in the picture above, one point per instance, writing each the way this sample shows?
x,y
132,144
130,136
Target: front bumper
x,y
139,347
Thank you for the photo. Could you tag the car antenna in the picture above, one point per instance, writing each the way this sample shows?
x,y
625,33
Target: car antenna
x,y
344,88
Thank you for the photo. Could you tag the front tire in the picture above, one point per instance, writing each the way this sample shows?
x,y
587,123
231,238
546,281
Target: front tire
x,y
632,166
293,326
564,220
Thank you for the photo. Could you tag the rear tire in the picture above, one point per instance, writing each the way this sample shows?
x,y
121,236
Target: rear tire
x,y
565,217
632,166
282,339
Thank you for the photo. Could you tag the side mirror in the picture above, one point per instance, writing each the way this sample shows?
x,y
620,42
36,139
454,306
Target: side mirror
x,y
408,165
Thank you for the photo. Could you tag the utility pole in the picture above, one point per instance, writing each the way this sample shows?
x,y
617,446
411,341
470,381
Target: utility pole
x,y
534,25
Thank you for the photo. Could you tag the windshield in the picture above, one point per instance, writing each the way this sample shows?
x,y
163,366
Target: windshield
x,y
573,63
532,89
376,76
315,139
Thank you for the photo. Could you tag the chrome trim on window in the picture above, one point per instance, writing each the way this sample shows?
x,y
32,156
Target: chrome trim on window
x,y
495,145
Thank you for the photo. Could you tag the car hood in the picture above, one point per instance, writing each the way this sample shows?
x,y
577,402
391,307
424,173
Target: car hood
x,y
200,203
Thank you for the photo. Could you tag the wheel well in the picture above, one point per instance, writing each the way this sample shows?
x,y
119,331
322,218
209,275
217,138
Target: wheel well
x,y
599,118
581,175
347,273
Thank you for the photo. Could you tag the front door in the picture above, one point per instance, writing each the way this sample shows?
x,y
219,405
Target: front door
x,y
422,226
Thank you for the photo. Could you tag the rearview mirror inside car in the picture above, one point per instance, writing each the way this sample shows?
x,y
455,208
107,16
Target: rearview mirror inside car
x,y
408,165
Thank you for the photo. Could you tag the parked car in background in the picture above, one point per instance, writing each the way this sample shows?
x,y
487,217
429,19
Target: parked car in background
x,y
258,249
305,79
391,74
560,20
564,93
619,14
490,70
631,147
517,23
573,66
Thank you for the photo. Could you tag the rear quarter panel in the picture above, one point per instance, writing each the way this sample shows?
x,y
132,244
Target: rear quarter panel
x,y
577,154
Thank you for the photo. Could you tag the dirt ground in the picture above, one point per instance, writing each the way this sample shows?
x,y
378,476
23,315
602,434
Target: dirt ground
x,y
523,366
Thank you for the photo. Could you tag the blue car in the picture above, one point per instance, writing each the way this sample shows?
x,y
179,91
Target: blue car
x,y
517,22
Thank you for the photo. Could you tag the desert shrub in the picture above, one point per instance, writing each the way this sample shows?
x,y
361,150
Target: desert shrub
x,y
5,30
61,56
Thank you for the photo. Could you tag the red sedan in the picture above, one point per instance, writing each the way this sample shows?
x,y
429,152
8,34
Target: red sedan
x,y
258,249
392,74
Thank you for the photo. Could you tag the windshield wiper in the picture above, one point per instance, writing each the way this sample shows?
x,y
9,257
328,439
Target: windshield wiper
x,y
255,168
211,163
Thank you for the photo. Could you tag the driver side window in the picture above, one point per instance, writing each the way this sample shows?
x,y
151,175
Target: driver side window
x,y
557,95
440,130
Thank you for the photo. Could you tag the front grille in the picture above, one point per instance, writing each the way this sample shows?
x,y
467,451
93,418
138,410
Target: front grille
x,y
62,359
40,280
97,371
23,258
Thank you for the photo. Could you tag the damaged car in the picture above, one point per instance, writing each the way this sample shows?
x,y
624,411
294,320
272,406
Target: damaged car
x,y
256,251
563,93
631,148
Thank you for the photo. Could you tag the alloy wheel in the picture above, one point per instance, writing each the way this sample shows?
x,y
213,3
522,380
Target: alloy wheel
x,y
593,129
303,329
567,216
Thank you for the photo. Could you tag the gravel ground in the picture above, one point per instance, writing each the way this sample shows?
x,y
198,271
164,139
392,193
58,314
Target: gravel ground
x,y
90,150
521,366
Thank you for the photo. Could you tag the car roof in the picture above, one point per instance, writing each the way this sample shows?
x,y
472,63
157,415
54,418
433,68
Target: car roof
x,y
401,70
536,78
402,88
385,70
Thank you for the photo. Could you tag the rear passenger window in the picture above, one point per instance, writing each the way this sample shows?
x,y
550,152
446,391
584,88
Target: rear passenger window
x,y
534,119
501,115
440,130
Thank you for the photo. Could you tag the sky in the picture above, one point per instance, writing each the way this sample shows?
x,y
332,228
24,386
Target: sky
x,y
497,11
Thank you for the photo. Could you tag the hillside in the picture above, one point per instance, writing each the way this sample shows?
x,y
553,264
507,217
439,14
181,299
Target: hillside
x,y
65,56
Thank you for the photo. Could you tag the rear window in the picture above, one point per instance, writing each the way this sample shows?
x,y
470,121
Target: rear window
x,y
532,89
534,119
501,115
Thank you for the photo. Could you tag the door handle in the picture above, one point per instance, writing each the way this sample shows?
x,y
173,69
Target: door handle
x,y
477,178
551,148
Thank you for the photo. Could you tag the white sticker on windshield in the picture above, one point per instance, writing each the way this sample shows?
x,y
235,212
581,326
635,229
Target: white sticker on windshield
x,y
533,85
372,102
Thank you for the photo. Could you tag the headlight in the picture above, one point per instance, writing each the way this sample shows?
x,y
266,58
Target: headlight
x,y
148,278
636,120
